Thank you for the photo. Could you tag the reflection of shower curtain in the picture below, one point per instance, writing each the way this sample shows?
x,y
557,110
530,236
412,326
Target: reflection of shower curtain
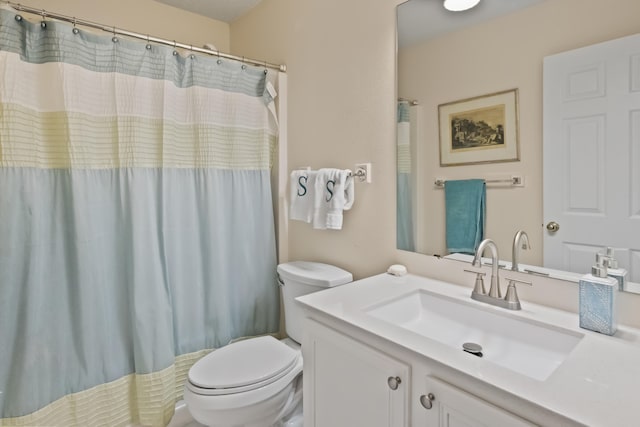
x,y
404,204
136,222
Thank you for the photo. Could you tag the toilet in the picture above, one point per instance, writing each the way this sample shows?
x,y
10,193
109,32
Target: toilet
x,y
257,382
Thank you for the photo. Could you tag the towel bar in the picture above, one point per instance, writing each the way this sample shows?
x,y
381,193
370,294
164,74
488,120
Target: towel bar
x,y
515,180
360,173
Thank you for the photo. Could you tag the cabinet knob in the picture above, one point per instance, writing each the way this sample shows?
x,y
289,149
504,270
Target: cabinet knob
x,y
394,382
427,401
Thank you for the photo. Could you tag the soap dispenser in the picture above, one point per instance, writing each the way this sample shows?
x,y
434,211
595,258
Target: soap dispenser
x,y
598,299
620,274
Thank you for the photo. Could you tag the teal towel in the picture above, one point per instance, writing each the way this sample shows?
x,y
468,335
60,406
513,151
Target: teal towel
x,y
465,205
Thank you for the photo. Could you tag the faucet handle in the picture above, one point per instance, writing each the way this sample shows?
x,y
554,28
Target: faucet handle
x,y
512,295
513,281
479,285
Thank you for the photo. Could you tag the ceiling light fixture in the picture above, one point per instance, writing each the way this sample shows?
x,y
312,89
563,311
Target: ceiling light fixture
x,y
459,5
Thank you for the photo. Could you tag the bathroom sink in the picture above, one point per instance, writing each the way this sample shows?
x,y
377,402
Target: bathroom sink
x,y
529,348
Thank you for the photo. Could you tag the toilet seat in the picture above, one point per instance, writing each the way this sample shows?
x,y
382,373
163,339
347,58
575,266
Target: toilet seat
x,y
243,366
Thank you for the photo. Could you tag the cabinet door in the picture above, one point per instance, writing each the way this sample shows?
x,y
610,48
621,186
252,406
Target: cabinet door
x,y
348,384
453,407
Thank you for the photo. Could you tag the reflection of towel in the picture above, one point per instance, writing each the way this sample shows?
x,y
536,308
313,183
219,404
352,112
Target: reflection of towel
x,y
465,205
301,195
334,194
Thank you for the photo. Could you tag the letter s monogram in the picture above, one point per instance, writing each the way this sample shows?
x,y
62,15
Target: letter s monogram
x,y
330,190
304,189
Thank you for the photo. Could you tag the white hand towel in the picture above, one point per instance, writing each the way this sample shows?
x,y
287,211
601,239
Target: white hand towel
x,y
334,194
342,200
302,195
322,197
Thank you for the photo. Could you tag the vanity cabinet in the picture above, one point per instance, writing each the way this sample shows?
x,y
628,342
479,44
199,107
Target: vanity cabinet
x,y
449,406
384,332
349,383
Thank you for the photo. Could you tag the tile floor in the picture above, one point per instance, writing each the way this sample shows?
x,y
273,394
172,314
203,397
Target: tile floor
x,y
182,417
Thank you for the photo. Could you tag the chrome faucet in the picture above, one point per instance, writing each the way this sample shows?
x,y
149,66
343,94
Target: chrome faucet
x,y
520,240
494,289
494,297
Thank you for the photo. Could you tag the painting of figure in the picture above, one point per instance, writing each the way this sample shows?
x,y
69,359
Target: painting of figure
x,y
483,129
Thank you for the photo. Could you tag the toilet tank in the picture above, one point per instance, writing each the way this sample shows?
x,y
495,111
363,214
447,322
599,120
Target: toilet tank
x,y
303,277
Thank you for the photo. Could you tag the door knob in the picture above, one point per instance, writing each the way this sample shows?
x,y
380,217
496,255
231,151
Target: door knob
x,y
553,226
394,382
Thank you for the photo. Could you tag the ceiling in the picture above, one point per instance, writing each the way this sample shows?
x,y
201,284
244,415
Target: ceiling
x,y
222,10
419,19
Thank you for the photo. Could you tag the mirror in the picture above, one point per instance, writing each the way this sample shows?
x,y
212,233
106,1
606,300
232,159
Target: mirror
x,y
444,57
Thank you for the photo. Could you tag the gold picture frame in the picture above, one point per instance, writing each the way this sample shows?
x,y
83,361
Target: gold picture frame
x,y
483,129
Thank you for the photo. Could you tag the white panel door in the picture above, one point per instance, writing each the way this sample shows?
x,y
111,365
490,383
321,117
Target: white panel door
x,y
591,155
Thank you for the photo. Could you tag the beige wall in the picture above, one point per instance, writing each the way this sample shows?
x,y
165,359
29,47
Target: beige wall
x,y
341,103
341,73
502,54
340,59
145,17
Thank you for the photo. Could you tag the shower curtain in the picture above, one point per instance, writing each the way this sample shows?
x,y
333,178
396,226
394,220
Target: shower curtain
x,y
404,204
136,221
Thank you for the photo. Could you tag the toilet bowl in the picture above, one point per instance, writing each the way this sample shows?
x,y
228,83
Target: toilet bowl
x,y
256,387
257,382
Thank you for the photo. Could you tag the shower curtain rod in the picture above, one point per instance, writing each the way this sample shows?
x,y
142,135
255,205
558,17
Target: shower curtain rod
x,y
119,31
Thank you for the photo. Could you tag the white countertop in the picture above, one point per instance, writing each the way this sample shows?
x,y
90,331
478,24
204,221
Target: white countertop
x,y
598,384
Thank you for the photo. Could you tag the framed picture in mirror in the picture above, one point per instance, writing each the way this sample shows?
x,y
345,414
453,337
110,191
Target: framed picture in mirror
x,y
483,129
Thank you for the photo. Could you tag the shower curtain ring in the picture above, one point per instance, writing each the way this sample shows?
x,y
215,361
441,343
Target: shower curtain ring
x,y
266,70
43,24
114,38
175,52
218,54
148,46
75,30
244,66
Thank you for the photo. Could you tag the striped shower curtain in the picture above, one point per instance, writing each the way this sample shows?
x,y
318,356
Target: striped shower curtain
x,y
136,221
404,204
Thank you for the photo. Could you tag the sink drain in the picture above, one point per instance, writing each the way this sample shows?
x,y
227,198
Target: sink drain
x,y
472,348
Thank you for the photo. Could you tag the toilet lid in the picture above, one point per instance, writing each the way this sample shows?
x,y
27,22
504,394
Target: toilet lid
x,y
243,363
